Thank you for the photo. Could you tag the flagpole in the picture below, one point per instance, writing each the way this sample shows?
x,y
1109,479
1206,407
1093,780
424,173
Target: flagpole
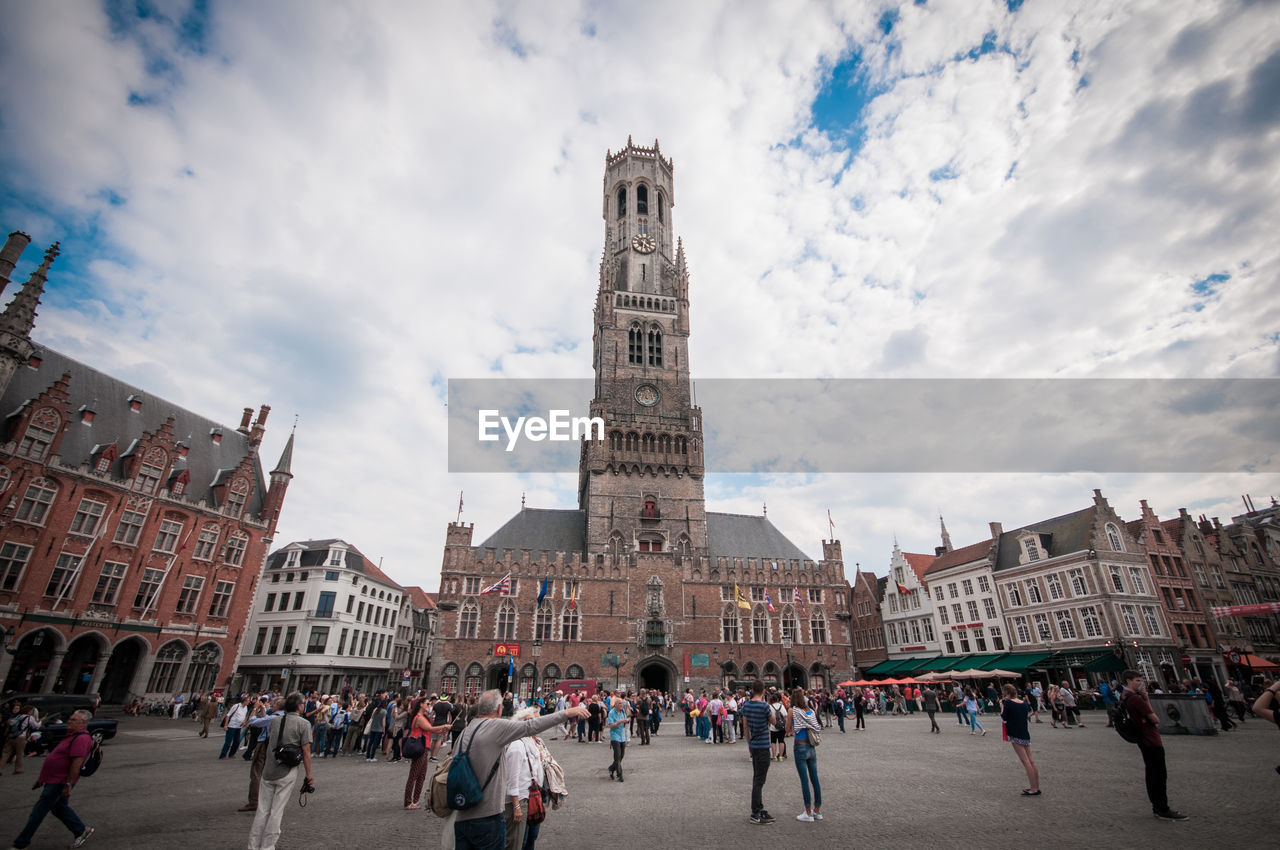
x,y
459,506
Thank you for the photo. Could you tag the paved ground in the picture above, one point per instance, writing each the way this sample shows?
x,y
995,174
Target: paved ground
x,y
161,787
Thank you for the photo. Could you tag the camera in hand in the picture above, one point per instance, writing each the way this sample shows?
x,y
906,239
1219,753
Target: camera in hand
x,y
308,787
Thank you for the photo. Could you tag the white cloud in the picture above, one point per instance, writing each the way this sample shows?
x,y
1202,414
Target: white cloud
x,y
335,208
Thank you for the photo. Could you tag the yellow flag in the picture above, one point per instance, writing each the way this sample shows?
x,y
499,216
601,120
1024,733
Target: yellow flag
x,y
741,600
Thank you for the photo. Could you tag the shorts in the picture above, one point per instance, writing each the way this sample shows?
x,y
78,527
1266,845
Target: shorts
x,y
777,736
1026,742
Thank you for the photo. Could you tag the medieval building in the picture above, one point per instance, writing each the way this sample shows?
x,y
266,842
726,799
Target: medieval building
x,y
643,584
132,531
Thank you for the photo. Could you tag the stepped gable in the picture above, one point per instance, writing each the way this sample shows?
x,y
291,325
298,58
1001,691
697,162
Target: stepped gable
x,y
741,536
1066,533
919,564
115,422
541,530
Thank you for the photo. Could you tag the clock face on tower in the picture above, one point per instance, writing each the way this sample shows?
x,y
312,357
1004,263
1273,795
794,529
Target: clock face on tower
x,y
644,243
647,395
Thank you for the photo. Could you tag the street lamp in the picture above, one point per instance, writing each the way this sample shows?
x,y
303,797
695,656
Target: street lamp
x,y
611,659
9,645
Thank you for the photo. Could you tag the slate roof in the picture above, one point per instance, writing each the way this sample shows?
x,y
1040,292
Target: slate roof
x,y
963,555
316,552
114,422
1066,533
730,535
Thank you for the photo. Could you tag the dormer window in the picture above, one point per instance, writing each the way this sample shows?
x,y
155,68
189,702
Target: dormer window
x,y
148,478
236,495
40,433
335,558
291,560
1113,537
1033,551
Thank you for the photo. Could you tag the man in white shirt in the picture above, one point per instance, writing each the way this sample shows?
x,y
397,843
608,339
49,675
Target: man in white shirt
x,y
730,716
715,709
517,766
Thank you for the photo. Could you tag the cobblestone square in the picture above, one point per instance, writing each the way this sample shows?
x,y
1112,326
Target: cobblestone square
x,y
160,787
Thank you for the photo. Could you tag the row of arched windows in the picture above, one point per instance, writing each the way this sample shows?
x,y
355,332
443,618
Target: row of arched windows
x,y
473,683
633,441
644,346
663,305
548,623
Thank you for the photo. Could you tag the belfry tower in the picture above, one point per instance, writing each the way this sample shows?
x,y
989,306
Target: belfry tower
x,y
641,488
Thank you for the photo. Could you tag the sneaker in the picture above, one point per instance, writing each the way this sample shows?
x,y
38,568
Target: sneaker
x,y
84,836
804,817
755,819
765,817
1170,814
817,815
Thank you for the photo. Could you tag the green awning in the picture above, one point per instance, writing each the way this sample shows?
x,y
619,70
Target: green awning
x,y
1105,663
882,668
915,665
1020,662
895,666
942,662
987,661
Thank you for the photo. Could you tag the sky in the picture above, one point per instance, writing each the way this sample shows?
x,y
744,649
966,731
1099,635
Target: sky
x,y
334,208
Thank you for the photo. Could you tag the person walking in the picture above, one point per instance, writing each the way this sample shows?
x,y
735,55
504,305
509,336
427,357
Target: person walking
x,y
957,703
377,727
642,716
1070,711
929,699
289,729
805,726
859,710
758,717
778,732
21,728
58,776
1015,712
482,827
1150,744
257,728
971,706
1034,693
234,720
616,723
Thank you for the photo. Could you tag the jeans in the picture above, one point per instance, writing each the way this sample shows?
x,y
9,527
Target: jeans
x,y
806,758
531,835
51,800
759,772
230,743
1157,777
688,724
321,737
334,741
480,833
859,719
840,719
375,740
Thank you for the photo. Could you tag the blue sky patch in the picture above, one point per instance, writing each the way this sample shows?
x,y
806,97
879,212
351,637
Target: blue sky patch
x,y
1209,285
1014,5
887,20
946,172
506,36
840,106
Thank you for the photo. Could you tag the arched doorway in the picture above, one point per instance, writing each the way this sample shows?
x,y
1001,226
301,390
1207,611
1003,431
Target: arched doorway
x,y
31,661
497,678
82,659
794,676
655,674
121,666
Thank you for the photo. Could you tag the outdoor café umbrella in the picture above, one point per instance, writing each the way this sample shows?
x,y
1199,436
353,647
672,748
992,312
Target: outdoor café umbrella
x,y
1003,674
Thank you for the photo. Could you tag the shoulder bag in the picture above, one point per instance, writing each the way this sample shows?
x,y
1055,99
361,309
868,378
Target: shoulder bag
x,y
288,755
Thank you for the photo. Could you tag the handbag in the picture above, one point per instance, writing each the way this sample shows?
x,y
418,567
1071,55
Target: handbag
x,y
537,807
289,755
415,746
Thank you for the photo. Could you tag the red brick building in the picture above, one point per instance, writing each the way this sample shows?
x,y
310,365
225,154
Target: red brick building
x,y
641,577
132,531
868,627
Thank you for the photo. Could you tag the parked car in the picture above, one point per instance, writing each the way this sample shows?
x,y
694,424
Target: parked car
x,y
54,728
56,703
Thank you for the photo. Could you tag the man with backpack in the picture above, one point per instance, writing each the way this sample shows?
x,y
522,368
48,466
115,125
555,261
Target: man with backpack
x,y
58,775
1149,743
483,741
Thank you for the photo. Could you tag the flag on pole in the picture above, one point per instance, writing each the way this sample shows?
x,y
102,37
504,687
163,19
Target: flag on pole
x,y
800,602
831,524
502,585
511,667
459,506
542,592
573,597
768,602
740,599
902,588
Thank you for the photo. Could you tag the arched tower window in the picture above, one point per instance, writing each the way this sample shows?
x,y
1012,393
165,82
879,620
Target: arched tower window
x,y
622,202
660,205
655,346
474,681
642,200
449,679
635,345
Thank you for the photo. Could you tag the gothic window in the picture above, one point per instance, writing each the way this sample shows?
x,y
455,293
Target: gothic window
x,y
36,501
88,514
648,443
1117,583
818,629
1015,596
788,626
683,545
1022,630
650,510
1113,537
1139,583
468,621
167,536
475,680
40,433
1077,582
206,543
655,346
222,598
233,552
615,440
682,446
569,627
168,661
1033,592
1152,620
1066,626
449,678
236,495
1042,626
661,203
635,345
1130,617
506,622
1054,582
542,623
622,202
109,583
573,672
759,626
189,595
147,588
615,544
63,576
528,673
550,678
642,200
729,624
664,443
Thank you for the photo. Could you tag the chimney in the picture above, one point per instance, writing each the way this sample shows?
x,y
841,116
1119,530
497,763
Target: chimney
x,y
35,360
135,402
939,551
259,427
13,248
244,420
996,530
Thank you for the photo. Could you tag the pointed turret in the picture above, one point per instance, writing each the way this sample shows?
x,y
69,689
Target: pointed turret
x,y
946,538
20,316
286,457
280,478
13,248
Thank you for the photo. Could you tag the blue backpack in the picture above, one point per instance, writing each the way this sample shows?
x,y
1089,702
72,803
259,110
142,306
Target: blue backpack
x,y
463,788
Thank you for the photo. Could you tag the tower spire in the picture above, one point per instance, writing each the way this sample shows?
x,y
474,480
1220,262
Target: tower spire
x,y
9,255
20,316
286,456
946,538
